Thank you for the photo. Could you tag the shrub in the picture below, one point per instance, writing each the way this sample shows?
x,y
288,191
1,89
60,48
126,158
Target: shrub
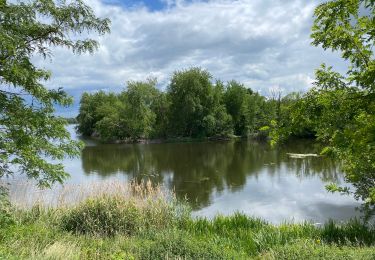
x,y
111,215
5,208
107,215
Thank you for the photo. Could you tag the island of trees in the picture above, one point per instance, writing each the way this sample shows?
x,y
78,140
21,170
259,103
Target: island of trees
x,y
193,106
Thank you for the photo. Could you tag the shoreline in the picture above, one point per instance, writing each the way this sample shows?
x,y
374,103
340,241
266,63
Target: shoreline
x,y
176,139
139,221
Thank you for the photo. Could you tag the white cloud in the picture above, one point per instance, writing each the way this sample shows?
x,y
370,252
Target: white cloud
x,y
262,43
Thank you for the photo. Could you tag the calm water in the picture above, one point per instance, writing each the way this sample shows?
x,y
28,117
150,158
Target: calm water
x,y
225,177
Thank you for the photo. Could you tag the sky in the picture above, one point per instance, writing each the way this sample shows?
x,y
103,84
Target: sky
x,y
264,44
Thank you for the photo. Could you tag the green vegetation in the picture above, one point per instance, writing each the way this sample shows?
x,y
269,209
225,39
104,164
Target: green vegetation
x,y
71,120
340,109
138,221
30,133
191,107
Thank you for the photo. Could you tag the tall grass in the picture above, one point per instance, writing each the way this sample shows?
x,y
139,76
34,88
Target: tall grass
x,y
106,208
113,220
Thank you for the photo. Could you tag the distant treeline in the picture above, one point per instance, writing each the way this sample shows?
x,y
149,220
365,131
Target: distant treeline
x,y
71,120
192,106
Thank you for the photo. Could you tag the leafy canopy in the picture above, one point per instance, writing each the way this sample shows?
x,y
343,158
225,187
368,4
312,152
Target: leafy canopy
x,y
191,106
346,104
31,136
340,109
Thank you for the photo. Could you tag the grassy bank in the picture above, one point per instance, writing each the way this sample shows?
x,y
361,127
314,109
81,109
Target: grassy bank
x,y
138,221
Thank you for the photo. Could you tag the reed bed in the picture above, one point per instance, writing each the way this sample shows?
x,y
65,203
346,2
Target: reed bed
x,y
132,220
25,194
105,208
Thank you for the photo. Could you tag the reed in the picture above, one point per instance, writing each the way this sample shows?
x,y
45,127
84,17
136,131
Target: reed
x,y
130,220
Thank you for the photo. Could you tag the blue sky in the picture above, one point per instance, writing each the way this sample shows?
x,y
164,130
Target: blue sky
x,y
263,43
150,4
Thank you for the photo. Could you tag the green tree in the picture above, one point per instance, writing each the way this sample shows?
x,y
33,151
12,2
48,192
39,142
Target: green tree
x,y
341,108
218,122
138,116
30,132
291,118
160,107
235,99
189,93
196,108
108,117
248,109
93,108
349,101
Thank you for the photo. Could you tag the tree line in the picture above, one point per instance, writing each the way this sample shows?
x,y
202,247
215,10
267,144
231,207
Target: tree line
x,y
192,106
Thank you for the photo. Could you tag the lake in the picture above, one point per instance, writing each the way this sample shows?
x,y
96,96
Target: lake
x,y
225,177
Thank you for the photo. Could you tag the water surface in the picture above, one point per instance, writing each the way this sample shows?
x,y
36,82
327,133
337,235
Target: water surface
x,y
225,177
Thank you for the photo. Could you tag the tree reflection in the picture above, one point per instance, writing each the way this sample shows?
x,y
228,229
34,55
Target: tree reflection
x,y
199,170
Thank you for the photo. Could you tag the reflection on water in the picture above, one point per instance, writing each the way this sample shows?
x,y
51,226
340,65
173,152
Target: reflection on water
x,y
223,177
195,170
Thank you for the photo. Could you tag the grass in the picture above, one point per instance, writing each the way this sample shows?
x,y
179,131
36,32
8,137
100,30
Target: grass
x,y
139,221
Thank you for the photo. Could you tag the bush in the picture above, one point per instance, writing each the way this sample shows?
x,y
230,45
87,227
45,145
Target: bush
x,y
111,215
102,216
5,208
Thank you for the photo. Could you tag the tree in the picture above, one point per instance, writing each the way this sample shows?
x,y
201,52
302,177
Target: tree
x,y
30,132
248,109
341,108
189,93
138,117
235,101
107,116
349,27
291,119
160,107
196,107
93,108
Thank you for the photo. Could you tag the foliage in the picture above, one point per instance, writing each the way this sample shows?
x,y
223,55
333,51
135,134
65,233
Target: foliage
x,y
348,27
105,216
191,107
123,210
340,109
196,109
30,132
290,120
94,108
5,208
71,120
130,114
140,118
160,106
248,109
114,228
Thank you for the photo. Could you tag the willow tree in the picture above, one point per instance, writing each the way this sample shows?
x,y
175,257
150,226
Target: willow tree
x,y
32,138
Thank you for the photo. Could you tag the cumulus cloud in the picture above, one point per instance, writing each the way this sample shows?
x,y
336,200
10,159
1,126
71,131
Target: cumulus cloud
x,y
261,43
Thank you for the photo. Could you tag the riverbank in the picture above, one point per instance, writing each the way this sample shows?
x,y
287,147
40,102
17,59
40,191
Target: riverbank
x,y
140,221
170,139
